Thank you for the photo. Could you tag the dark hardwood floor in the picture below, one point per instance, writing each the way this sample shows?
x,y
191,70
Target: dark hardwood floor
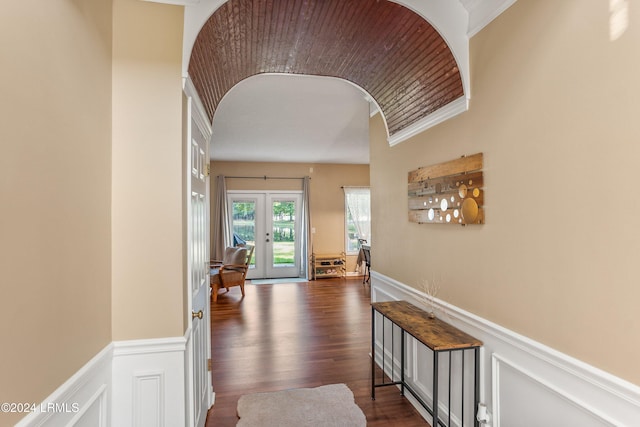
x,y
294,335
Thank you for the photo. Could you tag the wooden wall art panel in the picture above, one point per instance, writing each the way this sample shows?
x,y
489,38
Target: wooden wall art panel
x,y
448,193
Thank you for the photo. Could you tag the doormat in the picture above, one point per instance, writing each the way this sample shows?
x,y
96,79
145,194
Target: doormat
x,y
330,405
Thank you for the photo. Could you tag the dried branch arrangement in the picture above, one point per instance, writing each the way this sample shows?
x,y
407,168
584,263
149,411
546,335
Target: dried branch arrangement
x,y
430,288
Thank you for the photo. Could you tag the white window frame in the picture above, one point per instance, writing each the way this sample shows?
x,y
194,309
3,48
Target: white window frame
x,y
367,232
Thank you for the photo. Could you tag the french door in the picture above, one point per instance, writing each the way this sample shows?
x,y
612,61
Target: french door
x,y
271,222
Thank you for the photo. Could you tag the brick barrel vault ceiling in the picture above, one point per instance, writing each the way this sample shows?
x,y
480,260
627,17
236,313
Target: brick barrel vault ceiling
x,y
392,53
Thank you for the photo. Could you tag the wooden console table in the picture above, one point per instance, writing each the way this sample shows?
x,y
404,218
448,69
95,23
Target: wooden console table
x,y
438,336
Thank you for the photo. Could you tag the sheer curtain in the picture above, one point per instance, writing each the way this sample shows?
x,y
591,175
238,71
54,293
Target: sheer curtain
x,y
221,228
306,243
358,203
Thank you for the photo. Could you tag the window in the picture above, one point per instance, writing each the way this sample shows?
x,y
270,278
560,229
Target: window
x,y
357,202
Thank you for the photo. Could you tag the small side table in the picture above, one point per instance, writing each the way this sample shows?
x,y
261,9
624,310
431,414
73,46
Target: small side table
x,y
438,336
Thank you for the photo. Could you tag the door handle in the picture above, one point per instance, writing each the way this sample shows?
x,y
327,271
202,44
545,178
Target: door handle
x,y
198,315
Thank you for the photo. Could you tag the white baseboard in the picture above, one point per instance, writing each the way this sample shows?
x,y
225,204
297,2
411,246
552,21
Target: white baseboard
x,y
522,382
84,400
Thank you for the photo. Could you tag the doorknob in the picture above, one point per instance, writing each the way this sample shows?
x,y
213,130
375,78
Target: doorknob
x,y
198,315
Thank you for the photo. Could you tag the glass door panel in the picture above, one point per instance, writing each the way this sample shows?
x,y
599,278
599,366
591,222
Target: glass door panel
x,y
246,225
244,222
270,222
284,254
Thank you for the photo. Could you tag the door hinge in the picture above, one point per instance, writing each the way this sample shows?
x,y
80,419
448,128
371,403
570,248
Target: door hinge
x,y
208,169
209,365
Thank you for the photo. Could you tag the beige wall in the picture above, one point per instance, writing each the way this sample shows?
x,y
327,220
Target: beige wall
x,y
555,110
147,171
55,184
327,196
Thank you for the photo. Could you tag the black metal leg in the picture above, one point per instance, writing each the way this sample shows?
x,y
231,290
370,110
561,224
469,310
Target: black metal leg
x,y
373,354
384,351
367,275
449,390
462,388
476,393
393,352
402,342
435,389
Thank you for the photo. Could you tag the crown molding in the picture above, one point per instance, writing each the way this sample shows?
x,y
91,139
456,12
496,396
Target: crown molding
x,y
482,12
448,111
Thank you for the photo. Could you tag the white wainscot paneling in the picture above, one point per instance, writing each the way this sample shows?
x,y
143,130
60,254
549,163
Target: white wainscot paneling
x,y
545,403
522,382
82,401
130,383
149,383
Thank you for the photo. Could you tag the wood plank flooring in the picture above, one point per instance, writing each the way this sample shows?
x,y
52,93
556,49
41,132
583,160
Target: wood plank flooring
x,y
294,335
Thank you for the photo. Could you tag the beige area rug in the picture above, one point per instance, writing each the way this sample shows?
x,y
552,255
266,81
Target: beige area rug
x,y
326,406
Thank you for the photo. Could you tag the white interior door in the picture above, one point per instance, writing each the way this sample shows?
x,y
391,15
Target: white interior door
x,y
271,222
199,389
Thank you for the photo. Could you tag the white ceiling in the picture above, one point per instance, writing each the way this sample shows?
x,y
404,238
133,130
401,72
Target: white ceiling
x,y
292,118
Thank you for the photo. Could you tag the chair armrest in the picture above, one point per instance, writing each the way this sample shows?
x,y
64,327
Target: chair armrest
x,y
234,267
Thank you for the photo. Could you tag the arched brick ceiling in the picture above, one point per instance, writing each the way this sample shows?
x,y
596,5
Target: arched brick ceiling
x,y
388,50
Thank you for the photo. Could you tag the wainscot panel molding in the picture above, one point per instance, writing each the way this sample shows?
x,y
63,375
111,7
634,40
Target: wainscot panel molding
x,y
138,383
522,382
149,383
83,400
